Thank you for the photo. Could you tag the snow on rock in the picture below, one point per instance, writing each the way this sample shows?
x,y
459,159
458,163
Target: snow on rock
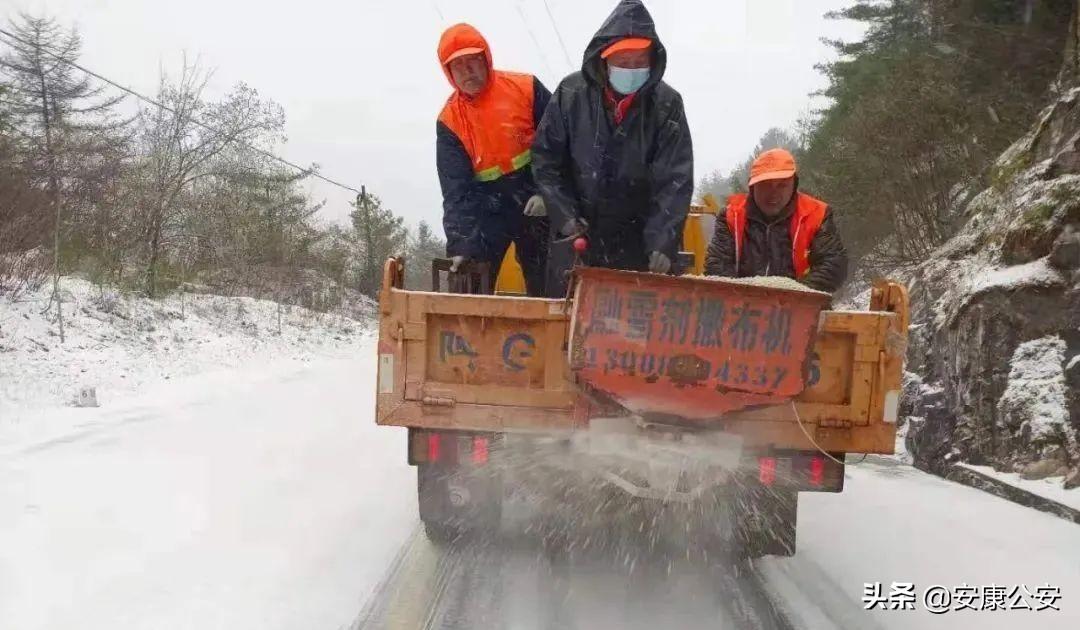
x,y
1033,274
1009,276
117,343
900,450
1034,399
970,278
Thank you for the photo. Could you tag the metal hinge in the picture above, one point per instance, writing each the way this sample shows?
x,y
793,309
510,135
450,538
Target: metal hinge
x,y
437,401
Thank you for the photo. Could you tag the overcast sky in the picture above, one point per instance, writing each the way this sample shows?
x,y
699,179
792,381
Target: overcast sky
x,y
361,85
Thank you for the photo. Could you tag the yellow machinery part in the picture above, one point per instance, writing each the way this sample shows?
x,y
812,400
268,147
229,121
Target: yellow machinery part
x,y
511,280
696,236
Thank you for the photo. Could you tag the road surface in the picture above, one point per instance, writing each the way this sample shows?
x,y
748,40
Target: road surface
x,y
514,584
892,524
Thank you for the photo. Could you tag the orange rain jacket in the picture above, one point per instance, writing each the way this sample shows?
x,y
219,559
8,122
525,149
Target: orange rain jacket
x,y
484,159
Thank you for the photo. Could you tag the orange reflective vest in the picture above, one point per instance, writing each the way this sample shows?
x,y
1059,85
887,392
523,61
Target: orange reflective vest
x,y
805,222
496,126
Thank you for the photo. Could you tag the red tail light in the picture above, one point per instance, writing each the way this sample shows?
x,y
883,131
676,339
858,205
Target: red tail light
x,y
434,447
817,471
767,470
480,450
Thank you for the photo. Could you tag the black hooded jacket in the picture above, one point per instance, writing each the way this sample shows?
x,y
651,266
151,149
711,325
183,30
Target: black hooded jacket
x,y
630,182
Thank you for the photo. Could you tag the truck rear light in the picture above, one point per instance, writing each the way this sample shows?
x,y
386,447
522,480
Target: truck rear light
x,y
480,450
767,470
817,470
448,448
434,447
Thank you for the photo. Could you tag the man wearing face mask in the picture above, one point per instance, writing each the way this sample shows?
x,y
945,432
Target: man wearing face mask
x,y
613,156
778,231
483,154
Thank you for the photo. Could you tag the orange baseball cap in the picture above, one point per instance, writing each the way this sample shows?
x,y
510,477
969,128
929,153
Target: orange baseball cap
x,y
629,43
772,164
464,52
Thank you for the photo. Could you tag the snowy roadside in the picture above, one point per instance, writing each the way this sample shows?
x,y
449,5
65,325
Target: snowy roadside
x,y
1051,488
263,497
121,345
895,525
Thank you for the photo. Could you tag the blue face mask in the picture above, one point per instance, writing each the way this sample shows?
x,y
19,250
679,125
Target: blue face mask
x,y
628,80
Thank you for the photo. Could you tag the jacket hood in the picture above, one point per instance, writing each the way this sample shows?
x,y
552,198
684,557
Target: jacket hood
x,y
629,19
457,38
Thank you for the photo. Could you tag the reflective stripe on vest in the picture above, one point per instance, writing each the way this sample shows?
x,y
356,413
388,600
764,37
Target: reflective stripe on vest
x,y
517,162
805,222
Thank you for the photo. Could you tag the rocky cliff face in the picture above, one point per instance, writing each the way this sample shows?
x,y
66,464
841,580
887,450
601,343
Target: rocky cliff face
x,y
995,342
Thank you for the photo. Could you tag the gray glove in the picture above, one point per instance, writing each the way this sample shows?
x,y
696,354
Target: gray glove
x,y
534,207
455,262
574,227
659,263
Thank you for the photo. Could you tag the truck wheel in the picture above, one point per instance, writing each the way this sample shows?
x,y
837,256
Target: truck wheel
x,y
453,501
766,522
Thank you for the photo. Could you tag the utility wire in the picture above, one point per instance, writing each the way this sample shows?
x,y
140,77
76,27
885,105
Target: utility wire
x,y
199,123
536,42
435,5
562,44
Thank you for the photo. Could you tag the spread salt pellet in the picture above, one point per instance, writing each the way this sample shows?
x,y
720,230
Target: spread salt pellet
x,y
768,282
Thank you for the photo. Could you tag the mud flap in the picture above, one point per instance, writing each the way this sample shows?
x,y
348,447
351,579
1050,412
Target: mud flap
x,y
454,501
765,521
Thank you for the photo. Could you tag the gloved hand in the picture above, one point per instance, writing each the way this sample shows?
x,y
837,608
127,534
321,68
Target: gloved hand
x,y
659,263
574,227
455,262
535,207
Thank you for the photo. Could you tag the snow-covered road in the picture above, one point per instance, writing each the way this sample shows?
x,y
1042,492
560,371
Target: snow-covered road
x,y
258,499
268,499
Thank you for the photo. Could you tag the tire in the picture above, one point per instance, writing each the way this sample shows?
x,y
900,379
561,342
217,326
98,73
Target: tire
x,y
766,520
440,533
444,512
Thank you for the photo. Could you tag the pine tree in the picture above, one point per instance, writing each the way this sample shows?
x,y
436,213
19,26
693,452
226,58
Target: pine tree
x,y
423,247
919,109
24,216
67,120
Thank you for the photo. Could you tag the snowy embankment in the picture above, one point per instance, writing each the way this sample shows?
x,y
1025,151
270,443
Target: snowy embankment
x,y
1048,488
120,343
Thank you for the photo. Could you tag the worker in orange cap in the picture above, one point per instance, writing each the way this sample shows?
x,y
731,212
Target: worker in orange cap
x,y
483,154
775,230
613,156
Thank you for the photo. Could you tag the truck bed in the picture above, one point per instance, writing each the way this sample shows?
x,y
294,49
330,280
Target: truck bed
x,y
501,364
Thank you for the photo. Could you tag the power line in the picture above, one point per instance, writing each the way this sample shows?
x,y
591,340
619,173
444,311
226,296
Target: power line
x,y
536,42
199,123
562,44
435,5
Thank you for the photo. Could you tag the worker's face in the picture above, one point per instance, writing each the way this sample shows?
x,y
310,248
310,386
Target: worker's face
x,y
470,73
773,195
631,59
